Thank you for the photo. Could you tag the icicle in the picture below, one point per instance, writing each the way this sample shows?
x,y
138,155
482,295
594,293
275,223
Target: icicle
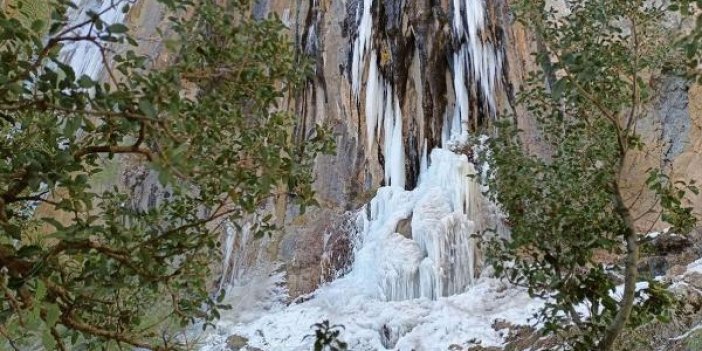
x,y
240,254
228,248
388,118
462,116
445,131
361,46
373,102
397,151
423,161
481,59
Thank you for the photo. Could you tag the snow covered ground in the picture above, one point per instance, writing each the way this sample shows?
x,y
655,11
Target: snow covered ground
x,y
419,324
415,291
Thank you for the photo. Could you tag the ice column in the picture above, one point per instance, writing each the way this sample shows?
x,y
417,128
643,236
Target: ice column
x,y
361,46
384,118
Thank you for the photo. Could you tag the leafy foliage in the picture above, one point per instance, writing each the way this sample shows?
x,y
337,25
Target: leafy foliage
x,y
87,267
327,337
565,207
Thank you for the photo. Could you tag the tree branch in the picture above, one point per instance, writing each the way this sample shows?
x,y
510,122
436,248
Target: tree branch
x,y
631,272
72,322
114,149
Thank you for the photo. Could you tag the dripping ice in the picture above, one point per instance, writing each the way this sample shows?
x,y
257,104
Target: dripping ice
x,y
383,114
476,65
361,45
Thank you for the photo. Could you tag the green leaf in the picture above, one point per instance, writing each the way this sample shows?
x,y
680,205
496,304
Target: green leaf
x,y
86,82
48,340
147,108
558,88
29,251
14,231
37,25
40,291
117,28
53,312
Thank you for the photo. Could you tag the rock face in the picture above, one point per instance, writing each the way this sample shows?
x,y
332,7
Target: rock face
x,y
672,133
415,45
236,342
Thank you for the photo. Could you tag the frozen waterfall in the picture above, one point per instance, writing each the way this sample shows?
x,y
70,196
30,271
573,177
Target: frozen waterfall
x,y
415,279
438,257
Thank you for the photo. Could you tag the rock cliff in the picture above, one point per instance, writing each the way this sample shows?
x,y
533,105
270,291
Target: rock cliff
x,y
414,49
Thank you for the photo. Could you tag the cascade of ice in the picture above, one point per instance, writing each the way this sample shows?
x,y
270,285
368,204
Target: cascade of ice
x,y
241,254
228,249
438,257
383,114
83,56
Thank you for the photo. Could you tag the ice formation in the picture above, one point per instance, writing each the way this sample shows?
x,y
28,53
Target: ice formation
x,y
438,259
243,257
383,114
477,56
84,56
362,45
414,282
424,325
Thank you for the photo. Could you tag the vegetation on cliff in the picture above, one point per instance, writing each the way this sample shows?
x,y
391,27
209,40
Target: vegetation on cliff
x,y
568,207
82,268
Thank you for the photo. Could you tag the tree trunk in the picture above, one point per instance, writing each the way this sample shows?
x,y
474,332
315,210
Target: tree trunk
x,y
630,275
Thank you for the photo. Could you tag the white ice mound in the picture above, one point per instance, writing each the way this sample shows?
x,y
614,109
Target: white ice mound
x,y
438,257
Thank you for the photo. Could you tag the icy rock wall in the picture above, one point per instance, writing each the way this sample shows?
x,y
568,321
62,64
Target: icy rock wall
x,y
395,80
438,257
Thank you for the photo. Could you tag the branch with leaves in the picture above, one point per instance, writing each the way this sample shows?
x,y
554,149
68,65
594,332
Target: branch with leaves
x,y
569,204
81,265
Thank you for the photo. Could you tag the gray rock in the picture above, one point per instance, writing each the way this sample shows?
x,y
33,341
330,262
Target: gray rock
x,y
675,116
694,279
237,343
404,227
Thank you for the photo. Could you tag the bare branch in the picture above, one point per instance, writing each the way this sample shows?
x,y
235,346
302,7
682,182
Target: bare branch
x,y
71,321
114,149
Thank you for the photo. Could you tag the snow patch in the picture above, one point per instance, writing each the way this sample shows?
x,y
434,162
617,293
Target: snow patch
x,y
420,324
